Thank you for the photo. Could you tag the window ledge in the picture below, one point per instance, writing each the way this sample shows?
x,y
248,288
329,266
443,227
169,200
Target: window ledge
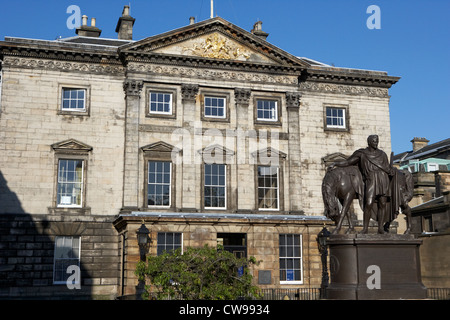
x,y
85,211
336,129
291,282
73,113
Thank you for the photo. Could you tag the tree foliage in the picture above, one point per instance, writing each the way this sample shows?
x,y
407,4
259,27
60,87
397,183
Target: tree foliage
x,y
198,273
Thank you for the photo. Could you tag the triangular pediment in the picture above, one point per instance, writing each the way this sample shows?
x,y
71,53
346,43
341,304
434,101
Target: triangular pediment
x,y
216,149
214,39
71,145
333,157
159,146
269,153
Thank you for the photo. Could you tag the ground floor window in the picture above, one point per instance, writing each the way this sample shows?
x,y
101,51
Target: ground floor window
x,y
168,241
291,258
66,254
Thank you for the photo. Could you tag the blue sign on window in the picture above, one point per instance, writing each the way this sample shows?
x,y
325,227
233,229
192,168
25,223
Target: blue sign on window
x,y
289,275
240,271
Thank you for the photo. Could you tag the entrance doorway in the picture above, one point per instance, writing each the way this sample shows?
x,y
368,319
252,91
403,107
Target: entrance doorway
x,y
235,243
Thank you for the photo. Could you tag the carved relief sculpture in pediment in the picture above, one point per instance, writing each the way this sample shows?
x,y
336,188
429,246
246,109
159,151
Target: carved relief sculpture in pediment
x,y
218,47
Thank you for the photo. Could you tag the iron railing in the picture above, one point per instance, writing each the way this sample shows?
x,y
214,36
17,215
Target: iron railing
x,y
291,294
438,293
309,294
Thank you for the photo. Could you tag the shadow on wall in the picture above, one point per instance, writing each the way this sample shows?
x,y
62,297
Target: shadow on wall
x,y
35,254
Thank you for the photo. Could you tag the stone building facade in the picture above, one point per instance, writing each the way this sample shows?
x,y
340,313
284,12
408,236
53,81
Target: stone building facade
x,y
205,134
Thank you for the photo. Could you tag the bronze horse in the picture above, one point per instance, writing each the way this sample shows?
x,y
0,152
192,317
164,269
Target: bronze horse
x,y
340,187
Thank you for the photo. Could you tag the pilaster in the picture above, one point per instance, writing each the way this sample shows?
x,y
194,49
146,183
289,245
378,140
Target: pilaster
x,y
245,171
190,169
132,89
294,159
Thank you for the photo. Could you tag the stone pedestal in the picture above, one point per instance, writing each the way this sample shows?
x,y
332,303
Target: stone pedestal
x,y
375,266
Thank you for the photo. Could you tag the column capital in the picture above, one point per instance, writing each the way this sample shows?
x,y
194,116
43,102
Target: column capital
x,y
132,87
189,92
242,96
293,100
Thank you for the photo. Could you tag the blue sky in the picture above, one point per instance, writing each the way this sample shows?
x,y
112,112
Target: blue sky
x,y
413,42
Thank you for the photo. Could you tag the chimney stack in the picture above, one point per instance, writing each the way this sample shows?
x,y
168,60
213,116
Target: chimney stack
x,y
88,31
257,30
191,20
419,143
125,24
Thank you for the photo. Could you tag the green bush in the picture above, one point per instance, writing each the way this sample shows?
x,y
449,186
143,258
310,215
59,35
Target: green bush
x,y
198,274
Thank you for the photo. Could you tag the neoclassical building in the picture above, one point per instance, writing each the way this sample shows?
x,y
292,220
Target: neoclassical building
x,y
205,134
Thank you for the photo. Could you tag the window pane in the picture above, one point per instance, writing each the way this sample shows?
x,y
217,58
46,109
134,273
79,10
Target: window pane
x,y
214,107
73,99
215,186
267,187
160,102
267,110
159,181
335,117
168,241
290,257
66,253
70,182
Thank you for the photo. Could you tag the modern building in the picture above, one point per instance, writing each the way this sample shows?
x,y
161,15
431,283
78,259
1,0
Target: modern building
x,y
205,134
430,167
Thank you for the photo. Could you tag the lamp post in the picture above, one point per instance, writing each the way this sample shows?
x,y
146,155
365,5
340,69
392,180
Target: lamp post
x,y
323,249
143,240
144,243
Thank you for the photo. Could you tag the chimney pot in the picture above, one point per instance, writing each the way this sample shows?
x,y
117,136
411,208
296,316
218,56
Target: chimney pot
x,y
126,11
88,31
191,20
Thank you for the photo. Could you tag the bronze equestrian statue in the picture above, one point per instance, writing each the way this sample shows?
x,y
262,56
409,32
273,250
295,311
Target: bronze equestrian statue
x,y
339,188
385,189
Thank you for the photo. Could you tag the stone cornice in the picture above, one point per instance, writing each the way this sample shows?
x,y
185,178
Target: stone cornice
x,y
47,64
349,77
61,52
212,74
343,89
210,63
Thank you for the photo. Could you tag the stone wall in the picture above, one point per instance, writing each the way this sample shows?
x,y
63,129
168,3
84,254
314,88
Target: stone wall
x,y
435,261
262,243
30,123
367,114
27,257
